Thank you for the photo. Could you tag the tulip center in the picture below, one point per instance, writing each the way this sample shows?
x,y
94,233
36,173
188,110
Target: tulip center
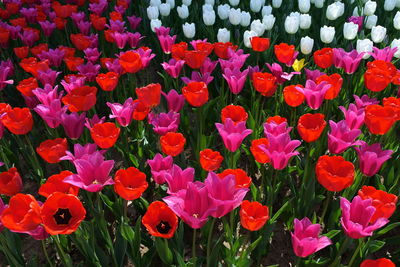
x,y
62,216
163,227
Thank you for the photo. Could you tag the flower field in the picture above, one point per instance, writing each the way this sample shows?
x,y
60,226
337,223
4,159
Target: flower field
x,y
199,133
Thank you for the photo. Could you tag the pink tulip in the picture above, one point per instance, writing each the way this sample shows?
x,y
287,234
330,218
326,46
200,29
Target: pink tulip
x,y
280,75
73,124
159,166
175,101
197,77
89,70
306,239
233,135
363,101
52,113
120,39
354,116
356,217
166,42
92,54
177,179
224,193
208,66
164,122
173,67
371,157
341,137
314,93
93,173
385,54
146,56
89,123
123,113
54,56
134,21
82,152
349,61
235,79
313,74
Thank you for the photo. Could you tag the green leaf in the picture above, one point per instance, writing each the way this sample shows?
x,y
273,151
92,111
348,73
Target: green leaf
x,y
282,209
163,250
332,233
120,248
374,246
387,228
127,232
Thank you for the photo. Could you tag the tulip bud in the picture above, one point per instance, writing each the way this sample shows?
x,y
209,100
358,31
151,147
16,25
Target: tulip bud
x,y
234,2
306,45
319,3
266,10
235,16
207,7
189,30
396,43
304,6
378,33
335,10
350,30
165,9
255,5
171,3
155,23
223,35
276,3
389,5
210,2
396,21
371,21
209,18
292,24
258,27
183,11
187,2
245,19
155,3
327,34
364,46
369,8
305,21
269,21
247,36
152,12
223,11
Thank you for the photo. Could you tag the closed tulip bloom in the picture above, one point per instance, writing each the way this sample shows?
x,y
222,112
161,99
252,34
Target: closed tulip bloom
x,y
231,134
253,215
382,262
266,10
353,116
105,134
195,93
371,157
223,11
389,5
52,150
336,82
306,239
187,2
122,112
259,155
334,10
73,124
304,5
160,220
341,137
245,19
369,8
314,93
107,81
311,126
269,21
235,16
130,62
306,45
234,112
164,122
384,203
379,119
130,183
178,179
172,143
164,9
378,33
175,101
327,34
292,96
259,44
149,94
276,3
284,52
385,54
183,11
235,79
349,61
10,182
247,36
334,173
350,30
319,3
396,21
356,217
223,35
323,58
365,45
379,75
160,165
18,120
209,18
152,12
255,5
292,24
371,21
305,21
241,177
189,30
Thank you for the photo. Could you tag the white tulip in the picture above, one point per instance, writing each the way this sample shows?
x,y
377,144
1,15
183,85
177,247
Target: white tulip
x,y
235,16
207,7
189,30
223,35
152,12
304,6
269,21
245,19
266,10
155,23
378,33
306,45
165,9
255,5
327,34
319,3
396,43
210,2
209,18
364,46
183,11
369,8
295,14
155,3
171,3
396,21
334,10
358,12
350,30
258,27
389,5
223,11
305,21
234,2
276,3
187,2
371,21
247,36
292,24
398,3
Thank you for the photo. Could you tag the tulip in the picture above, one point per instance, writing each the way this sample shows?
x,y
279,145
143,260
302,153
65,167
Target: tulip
x,y
319,3
378,33
396,44
234,2
371,157
247,37
341,137
389,5
245,19
164,122
235,16
159,166
306,45
266,10
382,262
164,9
349,61
73,124
172,143
305,21
189,30
178,179
253,215
160,221
306,239
327,34
396,21
223,11
235,79
335,10
187,2
364,45
123,113
371,21
209,18
231,134
255,5
292,24
356,216
369,8
350,30
241,178
183,11
314,93
269,21
173,67
223,35
154,24
235,113
334,173
276,3
354,116
155,3
310,126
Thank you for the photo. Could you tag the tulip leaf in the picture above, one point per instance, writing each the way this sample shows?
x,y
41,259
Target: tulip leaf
x,y
331,234
127,232
387,229
373,246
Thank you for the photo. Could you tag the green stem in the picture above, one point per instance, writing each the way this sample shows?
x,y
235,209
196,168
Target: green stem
x,y
46,254
326,205
298,261
194,246
356,252
61,252
209,239
336,261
